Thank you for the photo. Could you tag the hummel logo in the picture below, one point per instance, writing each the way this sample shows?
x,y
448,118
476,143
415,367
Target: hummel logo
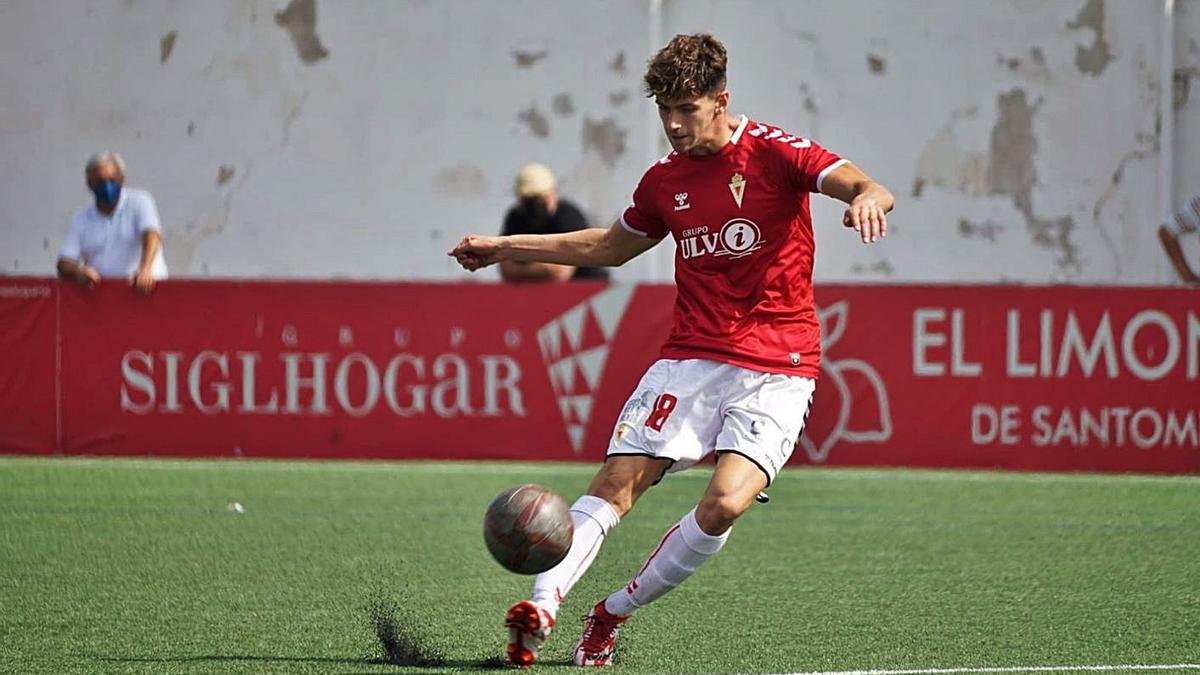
x,y
682,205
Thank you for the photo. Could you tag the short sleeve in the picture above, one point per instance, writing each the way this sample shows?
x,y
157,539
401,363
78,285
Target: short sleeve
x,y
1187,220
810,163
642,217
72,246
147,214
568,218
513,224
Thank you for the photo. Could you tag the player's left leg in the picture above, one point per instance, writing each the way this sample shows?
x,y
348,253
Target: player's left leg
x,y
696,537
686,545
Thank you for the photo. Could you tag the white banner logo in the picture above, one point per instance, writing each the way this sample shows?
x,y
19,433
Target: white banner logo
x,y
574,346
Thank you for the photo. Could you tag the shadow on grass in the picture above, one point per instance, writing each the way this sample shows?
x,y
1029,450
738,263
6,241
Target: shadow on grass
x,y
487,663
396,627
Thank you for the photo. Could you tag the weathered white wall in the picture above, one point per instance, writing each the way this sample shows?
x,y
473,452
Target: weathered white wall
x,y
1020,136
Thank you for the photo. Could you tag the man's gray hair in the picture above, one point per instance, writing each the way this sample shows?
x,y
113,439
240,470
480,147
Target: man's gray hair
x,y
105,157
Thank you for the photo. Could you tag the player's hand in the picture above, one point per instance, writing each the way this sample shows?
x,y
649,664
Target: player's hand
x,y
867,217
87,276
476,252
143,281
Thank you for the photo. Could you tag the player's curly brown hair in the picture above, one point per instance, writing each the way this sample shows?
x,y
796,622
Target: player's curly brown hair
x,y
689,66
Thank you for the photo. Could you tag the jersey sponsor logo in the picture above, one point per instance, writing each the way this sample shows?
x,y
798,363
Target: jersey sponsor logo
x,y
737,185
779,135
681,202
737,238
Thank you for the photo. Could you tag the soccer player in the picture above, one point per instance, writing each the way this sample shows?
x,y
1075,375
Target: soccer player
x,y
737,373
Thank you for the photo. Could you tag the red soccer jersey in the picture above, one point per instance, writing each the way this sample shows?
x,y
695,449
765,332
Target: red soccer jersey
x,y
744,261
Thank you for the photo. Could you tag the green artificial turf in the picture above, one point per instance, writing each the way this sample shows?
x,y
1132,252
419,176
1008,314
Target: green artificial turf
x,y
142,566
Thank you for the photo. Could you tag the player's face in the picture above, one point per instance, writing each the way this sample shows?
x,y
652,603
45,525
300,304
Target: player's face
x,y
694,125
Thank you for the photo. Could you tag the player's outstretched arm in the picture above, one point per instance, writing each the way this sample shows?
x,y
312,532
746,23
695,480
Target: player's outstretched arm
x,y
869,201
591,247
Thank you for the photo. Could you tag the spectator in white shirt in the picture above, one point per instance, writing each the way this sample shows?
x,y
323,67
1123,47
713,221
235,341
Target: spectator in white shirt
x,y
117,236
1186,221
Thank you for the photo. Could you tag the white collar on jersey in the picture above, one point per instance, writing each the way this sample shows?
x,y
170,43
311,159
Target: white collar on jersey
x,y
741,127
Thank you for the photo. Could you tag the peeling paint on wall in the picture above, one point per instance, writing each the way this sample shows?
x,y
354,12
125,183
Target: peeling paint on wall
x,y
286,134
985,230
562,105
166,45
604,138
1033,67
882,268
943,163
237,93
1010,164
534,119
810,104
1011,173
300,21
526,59
461,180
1114,183
618,63
1183,85
1093,59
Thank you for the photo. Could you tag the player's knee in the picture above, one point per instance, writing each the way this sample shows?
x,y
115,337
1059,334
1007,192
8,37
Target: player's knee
x,y
715,513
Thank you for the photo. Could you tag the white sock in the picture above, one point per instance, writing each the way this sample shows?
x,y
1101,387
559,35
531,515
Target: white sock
x,y
592,517
682,549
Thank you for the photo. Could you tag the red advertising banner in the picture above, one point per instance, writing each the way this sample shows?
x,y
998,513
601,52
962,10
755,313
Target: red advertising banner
x,y
1050,378
28,398
1047,378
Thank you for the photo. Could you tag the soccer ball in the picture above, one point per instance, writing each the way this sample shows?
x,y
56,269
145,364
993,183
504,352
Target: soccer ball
x,y
528,529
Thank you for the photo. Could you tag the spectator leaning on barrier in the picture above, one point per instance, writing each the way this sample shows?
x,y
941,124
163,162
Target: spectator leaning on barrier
x,y
539,210
1187,221
119,235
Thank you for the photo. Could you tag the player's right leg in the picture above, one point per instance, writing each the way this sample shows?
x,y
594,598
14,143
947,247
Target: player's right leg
x,y
614,490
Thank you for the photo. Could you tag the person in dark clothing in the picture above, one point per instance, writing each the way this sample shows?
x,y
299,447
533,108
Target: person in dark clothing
x,y
539,210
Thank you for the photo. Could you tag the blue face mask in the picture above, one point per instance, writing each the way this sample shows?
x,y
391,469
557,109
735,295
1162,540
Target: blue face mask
x,y
107,192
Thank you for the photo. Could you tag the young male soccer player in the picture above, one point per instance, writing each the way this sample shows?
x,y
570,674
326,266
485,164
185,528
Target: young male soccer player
x,y
737,373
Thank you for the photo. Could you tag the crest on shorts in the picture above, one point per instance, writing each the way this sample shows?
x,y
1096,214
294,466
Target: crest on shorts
x,y
623,428
737,185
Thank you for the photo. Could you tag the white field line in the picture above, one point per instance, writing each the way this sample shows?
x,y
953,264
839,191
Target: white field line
x,y
1127,668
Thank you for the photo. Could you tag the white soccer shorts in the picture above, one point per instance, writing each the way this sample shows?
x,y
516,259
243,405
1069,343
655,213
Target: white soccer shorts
x,y
682,410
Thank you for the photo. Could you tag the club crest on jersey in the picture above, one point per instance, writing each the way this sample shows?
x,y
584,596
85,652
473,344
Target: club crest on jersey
x,y
737,238
681,202
737,185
